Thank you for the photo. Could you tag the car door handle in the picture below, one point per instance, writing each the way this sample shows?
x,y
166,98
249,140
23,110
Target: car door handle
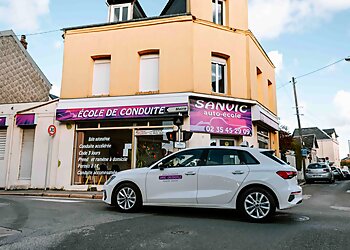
x,y
238,172
190,173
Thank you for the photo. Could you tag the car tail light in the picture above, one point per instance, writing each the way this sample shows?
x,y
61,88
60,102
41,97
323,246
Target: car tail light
x,y
287,174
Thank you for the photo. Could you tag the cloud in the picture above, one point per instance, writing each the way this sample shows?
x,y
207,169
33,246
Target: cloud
x,y
270,18
342,119
58,44
23,14
277,59
341,103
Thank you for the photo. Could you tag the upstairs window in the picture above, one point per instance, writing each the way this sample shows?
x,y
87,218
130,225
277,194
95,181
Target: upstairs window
x,y
149,73
120,12
101,80
219,75
218,11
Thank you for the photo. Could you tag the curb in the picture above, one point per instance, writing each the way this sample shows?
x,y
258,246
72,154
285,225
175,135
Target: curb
x,y
57,195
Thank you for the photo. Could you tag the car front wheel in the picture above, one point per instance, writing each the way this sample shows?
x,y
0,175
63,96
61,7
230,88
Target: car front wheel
x,y
257,205
127,198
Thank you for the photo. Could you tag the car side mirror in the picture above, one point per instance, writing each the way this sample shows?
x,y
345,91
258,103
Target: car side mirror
x,y
161,166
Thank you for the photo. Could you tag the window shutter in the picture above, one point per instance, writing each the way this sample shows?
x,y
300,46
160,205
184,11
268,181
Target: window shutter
x,y
149,73
3,133
101,81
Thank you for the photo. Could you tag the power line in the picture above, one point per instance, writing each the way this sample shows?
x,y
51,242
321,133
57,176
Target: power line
x,y
310,73
317,70
41,33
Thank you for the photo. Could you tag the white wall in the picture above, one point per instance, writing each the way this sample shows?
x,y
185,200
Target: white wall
x,y
329,148
45,116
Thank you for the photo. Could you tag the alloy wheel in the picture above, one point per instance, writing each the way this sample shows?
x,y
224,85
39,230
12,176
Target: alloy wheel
x,y
126,198
257,205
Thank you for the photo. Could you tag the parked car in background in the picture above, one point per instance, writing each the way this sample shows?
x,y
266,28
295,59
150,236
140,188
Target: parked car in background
x,y
338,174
346,173
251,180
319,172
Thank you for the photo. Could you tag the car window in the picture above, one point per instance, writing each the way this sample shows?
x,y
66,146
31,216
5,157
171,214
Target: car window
x,y
317,166
270,154
188,158
224,157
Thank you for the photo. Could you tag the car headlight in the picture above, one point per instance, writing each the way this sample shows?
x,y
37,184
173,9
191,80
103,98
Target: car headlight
x,y
110,179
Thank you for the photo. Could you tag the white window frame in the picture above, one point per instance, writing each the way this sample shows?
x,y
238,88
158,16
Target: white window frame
x,y
217,11
223,62
150,56
120,6
102,61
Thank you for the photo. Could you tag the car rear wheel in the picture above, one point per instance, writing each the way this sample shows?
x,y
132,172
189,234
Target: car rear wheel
x,y
257,205
127,198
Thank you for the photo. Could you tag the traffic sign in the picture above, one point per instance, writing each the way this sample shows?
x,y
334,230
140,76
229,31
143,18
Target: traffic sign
x,y
52,130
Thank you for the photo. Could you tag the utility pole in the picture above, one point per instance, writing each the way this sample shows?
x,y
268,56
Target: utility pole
x,y
299,124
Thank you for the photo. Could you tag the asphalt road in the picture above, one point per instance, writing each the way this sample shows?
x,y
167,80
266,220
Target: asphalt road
x,y
321,222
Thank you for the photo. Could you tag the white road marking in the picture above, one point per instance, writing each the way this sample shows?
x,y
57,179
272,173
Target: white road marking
x,y
306,196
347,209
348,191
55,200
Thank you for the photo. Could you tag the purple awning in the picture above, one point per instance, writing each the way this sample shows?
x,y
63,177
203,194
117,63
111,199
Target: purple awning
x,y
2,121
25,119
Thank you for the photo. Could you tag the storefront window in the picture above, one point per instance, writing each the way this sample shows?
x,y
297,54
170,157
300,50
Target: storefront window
x,y
152,146
99,154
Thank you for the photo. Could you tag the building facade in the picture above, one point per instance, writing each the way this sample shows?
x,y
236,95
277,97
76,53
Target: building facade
x,y
327,143
126,82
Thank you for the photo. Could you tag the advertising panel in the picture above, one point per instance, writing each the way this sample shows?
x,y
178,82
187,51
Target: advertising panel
x,y
220,117
25,119
141,111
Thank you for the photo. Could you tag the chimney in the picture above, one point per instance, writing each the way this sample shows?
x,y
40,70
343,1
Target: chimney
x,y
23,41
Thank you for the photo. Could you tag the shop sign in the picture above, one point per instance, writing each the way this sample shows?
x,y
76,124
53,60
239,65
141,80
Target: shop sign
x,y
141,111
25,119
2,121
148,132
220,117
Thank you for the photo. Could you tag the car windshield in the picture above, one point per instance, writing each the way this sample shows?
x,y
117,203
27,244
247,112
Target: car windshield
x,y
270,154
317,166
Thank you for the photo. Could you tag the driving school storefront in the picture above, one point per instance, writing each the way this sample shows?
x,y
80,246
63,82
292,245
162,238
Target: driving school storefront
x,y
113,134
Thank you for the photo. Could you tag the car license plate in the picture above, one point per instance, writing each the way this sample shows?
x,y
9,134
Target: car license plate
x,y
317,175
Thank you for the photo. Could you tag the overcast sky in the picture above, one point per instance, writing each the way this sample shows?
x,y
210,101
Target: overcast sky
x,y
299,36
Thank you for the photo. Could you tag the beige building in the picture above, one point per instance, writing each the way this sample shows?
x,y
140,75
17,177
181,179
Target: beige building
x,y
127,81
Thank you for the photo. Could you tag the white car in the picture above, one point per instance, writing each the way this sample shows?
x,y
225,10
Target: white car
x,y
251,180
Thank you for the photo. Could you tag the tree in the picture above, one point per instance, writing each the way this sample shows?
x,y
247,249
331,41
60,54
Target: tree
x,y
286,141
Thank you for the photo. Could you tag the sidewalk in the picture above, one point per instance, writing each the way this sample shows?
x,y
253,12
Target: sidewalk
x,y
55,193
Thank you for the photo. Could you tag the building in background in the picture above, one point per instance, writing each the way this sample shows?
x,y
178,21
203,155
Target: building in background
x,y
126,81
21,80
327,141
26,110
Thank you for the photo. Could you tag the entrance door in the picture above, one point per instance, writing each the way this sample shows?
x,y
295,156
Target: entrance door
x,y
223,174
174,180
25,169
